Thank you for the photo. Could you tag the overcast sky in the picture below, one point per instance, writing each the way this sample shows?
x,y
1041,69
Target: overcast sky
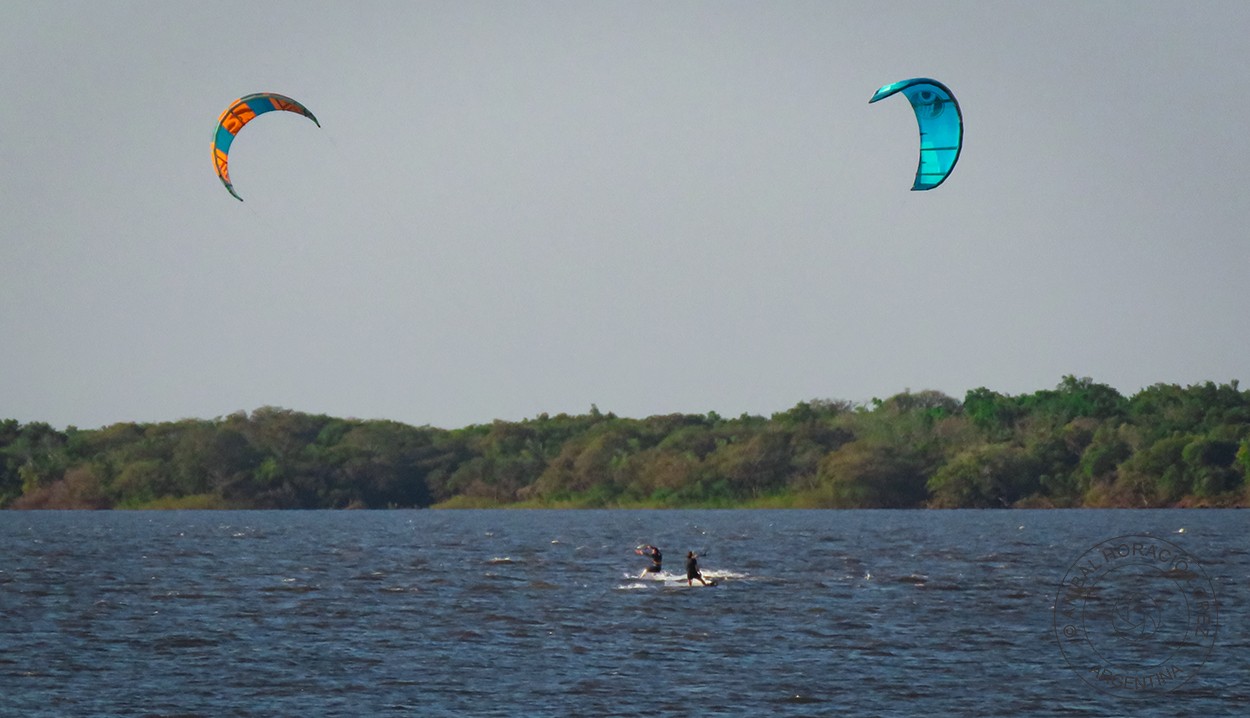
x,y
522,207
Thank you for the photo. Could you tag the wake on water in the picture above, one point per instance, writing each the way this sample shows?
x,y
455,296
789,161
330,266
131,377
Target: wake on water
x,y
668,579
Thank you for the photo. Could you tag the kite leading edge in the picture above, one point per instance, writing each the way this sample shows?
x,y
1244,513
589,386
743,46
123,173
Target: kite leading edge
x,y
239,113
941,127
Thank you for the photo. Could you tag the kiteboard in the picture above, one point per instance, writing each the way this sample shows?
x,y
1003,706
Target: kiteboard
x,y
680,582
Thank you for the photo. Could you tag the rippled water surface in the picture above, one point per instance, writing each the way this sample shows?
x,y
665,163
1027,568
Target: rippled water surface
x,y
541,613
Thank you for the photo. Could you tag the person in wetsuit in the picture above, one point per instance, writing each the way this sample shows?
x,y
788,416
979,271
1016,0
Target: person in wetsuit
x,y
657,559
692,569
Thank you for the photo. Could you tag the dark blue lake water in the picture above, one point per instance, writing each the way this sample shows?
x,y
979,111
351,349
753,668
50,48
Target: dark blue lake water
x,y
541,613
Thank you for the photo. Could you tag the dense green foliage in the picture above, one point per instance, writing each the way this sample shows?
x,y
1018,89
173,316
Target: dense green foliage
x,y
1080,444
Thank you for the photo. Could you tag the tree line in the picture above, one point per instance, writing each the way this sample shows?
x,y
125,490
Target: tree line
x,y
1079,444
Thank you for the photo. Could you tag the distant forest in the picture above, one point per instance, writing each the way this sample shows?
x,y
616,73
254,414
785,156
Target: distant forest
x,y
1080,444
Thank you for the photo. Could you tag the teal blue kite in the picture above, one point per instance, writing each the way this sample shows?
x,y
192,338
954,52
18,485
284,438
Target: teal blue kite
x,y
941,127
239,113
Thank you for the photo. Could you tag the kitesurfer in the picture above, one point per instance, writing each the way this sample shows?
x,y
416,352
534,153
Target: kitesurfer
x,y
692,569
657,559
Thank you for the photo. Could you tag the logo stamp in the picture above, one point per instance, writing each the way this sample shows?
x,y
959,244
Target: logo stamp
x,y
1136,614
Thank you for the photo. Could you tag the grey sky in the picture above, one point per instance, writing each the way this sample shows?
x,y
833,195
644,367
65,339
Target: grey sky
x,y
525,207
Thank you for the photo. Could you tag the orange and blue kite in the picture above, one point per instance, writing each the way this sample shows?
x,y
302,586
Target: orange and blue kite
x,y
239,113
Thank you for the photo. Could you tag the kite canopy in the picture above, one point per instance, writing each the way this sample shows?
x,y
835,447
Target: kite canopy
x,y
941,127
239,113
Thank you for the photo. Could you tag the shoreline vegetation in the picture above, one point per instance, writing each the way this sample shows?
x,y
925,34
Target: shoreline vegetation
x,y
1081,444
